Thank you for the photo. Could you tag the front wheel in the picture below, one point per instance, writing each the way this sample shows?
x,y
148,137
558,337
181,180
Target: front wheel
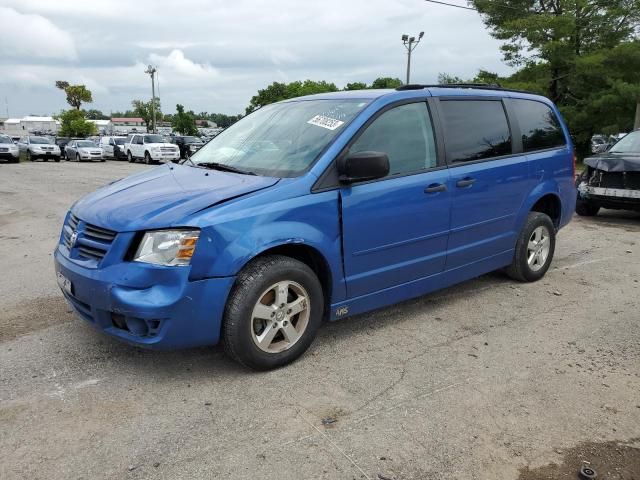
x,y
147,158
586,208
273,312
534,249
29,157
77,158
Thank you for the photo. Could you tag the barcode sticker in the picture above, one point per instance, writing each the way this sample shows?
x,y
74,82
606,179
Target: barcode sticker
x,y
325,122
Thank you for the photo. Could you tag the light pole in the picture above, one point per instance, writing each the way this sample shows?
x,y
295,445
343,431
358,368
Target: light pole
x,y
410,43
151,70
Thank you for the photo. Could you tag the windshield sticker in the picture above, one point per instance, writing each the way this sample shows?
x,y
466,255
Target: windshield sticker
x,y
325,122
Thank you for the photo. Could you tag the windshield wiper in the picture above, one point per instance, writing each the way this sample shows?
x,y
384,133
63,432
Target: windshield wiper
x,y
222,167
188,159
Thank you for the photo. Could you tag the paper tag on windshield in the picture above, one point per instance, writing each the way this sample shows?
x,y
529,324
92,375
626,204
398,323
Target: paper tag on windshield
x,y
325,122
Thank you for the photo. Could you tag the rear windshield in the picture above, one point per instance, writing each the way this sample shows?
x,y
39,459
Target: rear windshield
x,y
282,139
191,140
119,141
629,144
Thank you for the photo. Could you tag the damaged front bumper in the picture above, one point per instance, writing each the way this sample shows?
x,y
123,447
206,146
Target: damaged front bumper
x,y
614,190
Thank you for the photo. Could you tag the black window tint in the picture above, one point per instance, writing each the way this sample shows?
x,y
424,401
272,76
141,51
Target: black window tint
x,y
539,125
475,129
405,134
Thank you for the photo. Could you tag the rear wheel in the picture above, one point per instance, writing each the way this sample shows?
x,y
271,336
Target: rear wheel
x,y
534,249
273,312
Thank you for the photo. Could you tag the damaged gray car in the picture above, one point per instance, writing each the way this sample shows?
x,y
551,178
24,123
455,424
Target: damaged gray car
x,y
612,179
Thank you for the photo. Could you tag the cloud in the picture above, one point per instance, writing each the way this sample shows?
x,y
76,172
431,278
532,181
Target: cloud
x,y
177,64
33,36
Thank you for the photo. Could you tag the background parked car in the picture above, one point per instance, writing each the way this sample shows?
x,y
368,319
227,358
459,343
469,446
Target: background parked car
x,y
34,147
80,150
111,147
9,150
187,145
151,148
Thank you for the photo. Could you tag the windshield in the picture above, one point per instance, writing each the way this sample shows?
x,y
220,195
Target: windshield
x,y
39,140
629,144
153,139
280,140
5,140
119,141
86,143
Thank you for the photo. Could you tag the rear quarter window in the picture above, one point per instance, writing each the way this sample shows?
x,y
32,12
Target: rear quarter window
x,y
539,125
475,130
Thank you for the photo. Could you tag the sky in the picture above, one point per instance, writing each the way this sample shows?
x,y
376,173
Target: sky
x,y
214,55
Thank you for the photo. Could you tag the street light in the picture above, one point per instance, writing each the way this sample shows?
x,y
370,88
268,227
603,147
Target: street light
x,y
151,70
410,43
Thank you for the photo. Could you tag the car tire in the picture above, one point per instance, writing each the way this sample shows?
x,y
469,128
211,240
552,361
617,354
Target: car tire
x,y
56,159
78,158
147,158
29,157
130,157
534,249
288,335
586,208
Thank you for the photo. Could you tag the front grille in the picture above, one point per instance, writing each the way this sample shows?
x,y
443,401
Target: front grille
x,y
4,149
621,180
92,242
167,149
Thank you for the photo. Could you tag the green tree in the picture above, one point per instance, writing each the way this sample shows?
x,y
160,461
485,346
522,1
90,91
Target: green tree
x,y
282,91
74,124
76,94
386,82
355,86
446,79
93,114
144,110
184,122
557,32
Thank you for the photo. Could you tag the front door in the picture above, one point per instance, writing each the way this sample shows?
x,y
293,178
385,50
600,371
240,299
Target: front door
x,y
395,229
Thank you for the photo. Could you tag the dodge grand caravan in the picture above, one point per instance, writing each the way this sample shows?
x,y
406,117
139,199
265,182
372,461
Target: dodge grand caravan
x,y
321,207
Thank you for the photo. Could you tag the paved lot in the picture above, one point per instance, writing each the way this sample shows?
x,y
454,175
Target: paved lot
x,y
489,380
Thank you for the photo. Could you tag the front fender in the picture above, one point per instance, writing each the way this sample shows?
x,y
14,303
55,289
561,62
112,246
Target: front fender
x,y
233,240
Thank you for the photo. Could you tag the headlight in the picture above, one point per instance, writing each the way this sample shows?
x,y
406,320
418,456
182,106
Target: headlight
x,y
167,247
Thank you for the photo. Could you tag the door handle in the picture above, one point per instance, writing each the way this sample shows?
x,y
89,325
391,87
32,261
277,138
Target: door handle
x,y
435,187
465,182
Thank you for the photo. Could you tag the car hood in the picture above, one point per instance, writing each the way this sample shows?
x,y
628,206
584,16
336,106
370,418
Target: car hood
x,y
89,149
163,197
615,162
156,145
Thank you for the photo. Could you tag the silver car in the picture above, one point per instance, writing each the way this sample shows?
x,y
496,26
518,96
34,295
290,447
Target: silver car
x,y
34,147
80,150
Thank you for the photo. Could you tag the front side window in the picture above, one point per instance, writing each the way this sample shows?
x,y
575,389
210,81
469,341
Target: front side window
x,y
281,139
539,125
475,129
405,134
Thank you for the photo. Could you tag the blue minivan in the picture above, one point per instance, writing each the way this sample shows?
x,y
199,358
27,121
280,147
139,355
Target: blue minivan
x,y
321,207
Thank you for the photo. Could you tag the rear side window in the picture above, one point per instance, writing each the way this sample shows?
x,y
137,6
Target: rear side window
x,y
475,129
405,134
539,125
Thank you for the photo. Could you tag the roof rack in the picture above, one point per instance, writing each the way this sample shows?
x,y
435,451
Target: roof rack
x,y
478,86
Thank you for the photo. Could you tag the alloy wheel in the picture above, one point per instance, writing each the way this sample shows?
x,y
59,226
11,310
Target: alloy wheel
x,y
538,248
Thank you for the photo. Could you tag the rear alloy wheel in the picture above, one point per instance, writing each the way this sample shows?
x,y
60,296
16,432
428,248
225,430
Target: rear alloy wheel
x,y
130,157
534,249
273,312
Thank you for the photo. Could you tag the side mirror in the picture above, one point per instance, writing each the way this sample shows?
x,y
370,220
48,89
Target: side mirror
x,y
362,166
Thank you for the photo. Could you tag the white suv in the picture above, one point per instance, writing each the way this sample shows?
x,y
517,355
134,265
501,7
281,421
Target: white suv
x,y
151,148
